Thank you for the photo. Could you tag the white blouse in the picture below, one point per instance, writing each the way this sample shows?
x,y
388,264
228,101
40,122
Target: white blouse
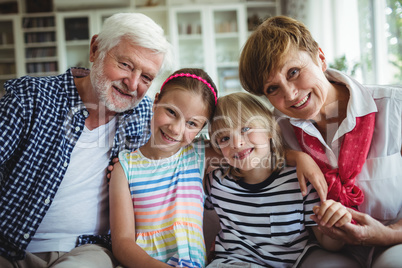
x,y
381,176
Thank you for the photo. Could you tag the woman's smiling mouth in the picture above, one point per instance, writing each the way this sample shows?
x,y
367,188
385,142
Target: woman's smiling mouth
x,y
302,102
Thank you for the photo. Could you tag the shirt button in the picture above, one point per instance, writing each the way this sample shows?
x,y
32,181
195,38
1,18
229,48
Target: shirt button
x,y
77,129
47,201
26,236
85,113
65,164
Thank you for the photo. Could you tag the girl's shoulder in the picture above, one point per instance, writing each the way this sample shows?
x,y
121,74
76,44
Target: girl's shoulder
x,y
197,147
127,154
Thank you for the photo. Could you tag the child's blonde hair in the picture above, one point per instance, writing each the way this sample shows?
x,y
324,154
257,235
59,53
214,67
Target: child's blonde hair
x,y
242,109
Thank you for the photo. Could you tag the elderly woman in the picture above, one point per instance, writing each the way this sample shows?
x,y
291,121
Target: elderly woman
x,y
353,132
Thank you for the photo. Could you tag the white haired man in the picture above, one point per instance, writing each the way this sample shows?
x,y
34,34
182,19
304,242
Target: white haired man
x,y
58,135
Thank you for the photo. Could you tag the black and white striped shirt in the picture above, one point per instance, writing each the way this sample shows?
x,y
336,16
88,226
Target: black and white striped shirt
x,y
261,223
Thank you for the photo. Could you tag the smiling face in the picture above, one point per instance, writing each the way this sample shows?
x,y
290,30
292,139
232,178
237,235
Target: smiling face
x,y
179,116
245,147
299,88
122,78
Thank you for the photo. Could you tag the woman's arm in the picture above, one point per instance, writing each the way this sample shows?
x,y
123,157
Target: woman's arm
x,y
122,224
307,169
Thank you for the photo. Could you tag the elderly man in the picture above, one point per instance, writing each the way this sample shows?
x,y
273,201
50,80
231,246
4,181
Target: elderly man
x,y
57,136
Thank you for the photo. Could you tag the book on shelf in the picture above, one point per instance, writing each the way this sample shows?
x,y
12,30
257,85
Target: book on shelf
x,y
41,37
76,29
41,52
6,38
38,22
41,67
7,68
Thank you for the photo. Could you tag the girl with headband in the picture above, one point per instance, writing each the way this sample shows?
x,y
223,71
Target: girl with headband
x,y
163,180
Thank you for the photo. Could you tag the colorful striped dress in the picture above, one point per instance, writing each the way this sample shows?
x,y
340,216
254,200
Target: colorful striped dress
x,y
168,201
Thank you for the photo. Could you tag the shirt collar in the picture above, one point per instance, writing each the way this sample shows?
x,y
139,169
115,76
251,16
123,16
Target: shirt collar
x,y
360,102
75,98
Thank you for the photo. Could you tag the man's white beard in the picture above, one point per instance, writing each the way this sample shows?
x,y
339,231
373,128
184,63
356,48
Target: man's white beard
x,y
103,86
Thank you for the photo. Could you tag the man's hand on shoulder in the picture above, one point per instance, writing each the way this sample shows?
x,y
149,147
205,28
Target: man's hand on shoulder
x,y
110,167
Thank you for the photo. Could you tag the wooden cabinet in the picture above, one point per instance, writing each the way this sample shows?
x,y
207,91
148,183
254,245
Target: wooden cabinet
x,y
211,36
10,59
257,11
74,32
40,46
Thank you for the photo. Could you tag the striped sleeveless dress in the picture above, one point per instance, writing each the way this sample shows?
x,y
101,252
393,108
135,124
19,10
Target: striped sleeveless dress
x,y
168,200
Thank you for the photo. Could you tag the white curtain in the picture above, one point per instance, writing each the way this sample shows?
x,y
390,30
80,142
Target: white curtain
x,y
333,23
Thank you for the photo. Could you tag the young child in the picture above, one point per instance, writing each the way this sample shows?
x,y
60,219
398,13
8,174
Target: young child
x,y
163,180
263,216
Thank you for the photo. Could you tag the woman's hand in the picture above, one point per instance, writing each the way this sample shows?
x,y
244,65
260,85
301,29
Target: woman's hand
x,y
308,170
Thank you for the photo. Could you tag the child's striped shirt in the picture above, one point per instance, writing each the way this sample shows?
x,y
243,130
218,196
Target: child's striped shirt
x,y
262,223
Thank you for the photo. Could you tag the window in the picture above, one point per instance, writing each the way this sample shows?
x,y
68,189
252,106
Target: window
x,y
362,38
380,23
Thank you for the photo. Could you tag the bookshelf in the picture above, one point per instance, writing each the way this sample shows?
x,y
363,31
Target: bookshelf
x,y
258,11
74,34
205,34
10,59
210,36
40,44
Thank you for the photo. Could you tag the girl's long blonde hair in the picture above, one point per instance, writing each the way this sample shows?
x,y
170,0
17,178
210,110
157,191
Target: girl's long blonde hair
x,y
243,109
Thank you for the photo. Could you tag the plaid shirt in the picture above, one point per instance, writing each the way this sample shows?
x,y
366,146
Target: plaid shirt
x,y
41,120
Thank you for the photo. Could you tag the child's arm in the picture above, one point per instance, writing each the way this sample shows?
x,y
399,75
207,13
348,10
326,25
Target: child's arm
x,y
307,169
329,214
122,224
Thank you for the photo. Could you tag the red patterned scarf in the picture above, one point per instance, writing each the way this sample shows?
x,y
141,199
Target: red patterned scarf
x,y
352,155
